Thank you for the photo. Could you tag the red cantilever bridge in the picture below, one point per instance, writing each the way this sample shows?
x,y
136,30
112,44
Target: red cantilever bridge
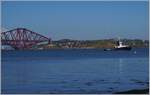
x,y
22,38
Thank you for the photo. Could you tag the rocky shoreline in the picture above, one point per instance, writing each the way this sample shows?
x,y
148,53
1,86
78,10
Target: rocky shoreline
x,y
135,91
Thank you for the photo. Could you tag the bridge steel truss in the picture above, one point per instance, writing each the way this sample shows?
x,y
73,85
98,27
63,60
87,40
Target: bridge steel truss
x,y
22,38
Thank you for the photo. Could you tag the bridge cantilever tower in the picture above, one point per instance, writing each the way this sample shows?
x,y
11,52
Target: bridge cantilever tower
x,y
22,38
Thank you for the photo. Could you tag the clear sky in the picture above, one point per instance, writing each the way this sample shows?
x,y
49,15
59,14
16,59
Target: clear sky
x,y
79,20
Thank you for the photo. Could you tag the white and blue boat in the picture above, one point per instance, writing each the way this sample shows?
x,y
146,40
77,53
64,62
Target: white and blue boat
x,y
119,46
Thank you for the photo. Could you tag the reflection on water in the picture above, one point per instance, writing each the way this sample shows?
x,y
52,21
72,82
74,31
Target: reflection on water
x,y
74,71
120,65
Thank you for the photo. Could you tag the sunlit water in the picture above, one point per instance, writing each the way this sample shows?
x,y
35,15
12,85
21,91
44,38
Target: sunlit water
x,y
74,71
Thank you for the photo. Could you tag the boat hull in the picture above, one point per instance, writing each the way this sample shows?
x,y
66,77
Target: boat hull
x,y
118,49
123,48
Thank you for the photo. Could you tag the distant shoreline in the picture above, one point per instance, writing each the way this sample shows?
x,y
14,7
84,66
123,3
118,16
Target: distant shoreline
x,y
63,49
81,44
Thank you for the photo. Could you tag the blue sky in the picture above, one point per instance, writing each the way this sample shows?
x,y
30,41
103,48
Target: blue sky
x,y
79,20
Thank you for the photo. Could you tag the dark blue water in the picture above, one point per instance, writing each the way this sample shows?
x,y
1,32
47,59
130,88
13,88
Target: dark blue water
x,y
74,71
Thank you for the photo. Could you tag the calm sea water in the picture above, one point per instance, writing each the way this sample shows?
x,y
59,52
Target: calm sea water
x,y
74,71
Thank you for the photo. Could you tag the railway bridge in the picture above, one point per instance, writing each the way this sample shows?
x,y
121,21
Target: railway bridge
x,y
22,38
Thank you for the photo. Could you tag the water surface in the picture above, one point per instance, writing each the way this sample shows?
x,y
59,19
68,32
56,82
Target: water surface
x,y
74,71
